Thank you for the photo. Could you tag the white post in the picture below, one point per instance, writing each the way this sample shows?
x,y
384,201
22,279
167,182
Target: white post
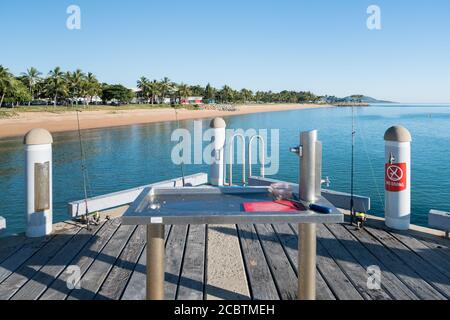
x,y
216,172
397,178
2,225
38,177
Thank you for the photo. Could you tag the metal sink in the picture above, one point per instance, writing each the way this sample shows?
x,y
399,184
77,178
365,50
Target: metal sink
x,y
216,205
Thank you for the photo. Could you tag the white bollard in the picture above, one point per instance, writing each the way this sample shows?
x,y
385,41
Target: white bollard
x,y
397,178
38,177
216,172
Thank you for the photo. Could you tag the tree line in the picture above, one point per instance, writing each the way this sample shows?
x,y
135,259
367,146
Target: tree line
x,y
60,87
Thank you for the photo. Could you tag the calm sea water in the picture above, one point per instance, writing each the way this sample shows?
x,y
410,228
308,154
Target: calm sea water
x,y
125,157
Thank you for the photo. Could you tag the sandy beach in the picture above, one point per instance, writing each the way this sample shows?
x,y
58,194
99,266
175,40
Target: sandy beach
x,y
67,121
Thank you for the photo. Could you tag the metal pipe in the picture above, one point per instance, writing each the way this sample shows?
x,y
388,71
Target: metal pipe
x,y
307,261
318,170
307,190
310,167
261,139
230,157
155,262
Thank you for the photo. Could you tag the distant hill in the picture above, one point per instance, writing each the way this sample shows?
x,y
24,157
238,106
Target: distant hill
x,y
364,99
356,98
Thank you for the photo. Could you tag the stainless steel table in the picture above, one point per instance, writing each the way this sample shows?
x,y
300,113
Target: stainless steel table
x,y
156,207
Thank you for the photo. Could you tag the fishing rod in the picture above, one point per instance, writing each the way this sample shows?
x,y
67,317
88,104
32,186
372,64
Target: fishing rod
x,y
352,204
84,172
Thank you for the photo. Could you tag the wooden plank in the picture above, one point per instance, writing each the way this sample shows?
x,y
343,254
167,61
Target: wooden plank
x,y
174,257
11,245
337,280
261,283
136,287
390,282
431,256
425,234
289,241
14,261
193,270
92,280
426,270
16,280
117,279
407,275
354,271
443,251
48,273
282,272
341,286
59,290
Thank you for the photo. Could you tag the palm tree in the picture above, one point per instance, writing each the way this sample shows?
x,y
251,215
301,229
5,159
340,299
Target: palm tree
x,y
91,87
6,82
155,90
246,94
226,94
165,87
56,84
183,91
144,84
31,78
210,92
74,82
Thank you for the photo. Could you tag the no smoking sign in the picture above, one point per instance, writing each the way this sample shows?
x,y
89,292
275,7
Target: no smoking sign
x,y
395,177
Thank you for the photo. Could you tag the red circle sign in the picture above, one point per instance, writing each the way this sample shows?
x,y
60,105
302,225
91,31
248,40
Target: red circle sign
x,y
394,172
395,177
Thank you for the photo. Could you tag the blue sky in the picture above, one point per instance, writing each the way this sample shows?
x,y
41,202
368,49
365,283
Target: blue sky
x,y
318,45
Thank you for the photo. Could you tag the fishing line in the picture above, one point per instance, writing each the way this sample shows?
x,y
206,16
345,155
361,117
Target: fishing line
x,y
352,211
182,163
83,169
363,138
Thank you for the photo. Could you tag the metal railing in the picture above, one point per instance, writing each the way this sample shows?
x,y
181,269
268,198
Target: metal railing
x,y
261,140
244,156
230,158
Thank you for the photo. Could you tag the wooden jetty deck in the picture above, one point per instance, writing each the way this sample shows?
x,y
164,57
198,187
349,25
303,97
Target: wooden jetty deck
x,y
111,260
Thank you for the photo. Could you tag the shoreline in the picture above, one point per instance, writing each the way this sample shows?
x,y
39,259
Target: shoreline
x,y
67,121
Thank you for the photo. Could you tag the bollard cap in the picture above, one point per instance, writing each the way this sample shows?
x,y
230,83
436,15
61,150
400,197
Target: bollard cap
x,y
38,136
217,123
398,134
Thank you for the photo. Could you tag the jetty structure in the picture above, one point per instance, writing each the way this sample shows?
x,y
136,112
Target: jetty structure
x,y
202,236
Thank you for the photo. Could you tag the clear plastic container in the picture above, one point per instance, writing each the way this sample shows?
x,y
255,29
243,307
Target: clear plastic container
x,y
281,191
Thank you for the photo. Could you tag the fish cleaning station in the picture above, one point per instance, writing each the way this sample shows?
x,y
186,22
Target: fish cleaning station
x,y
201,236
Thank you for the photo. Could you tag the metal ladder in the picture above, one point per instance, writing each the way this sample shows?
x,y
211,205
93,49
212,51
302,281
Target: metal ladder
x,y
231,157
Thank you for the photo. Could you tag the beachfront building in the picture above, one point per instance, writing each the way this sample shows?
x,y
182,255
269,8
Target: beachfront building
x,y
192,100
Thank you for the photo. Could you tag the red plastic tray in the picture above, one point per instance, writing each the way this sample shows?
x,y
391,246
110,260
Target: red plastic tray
x,y
270,206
